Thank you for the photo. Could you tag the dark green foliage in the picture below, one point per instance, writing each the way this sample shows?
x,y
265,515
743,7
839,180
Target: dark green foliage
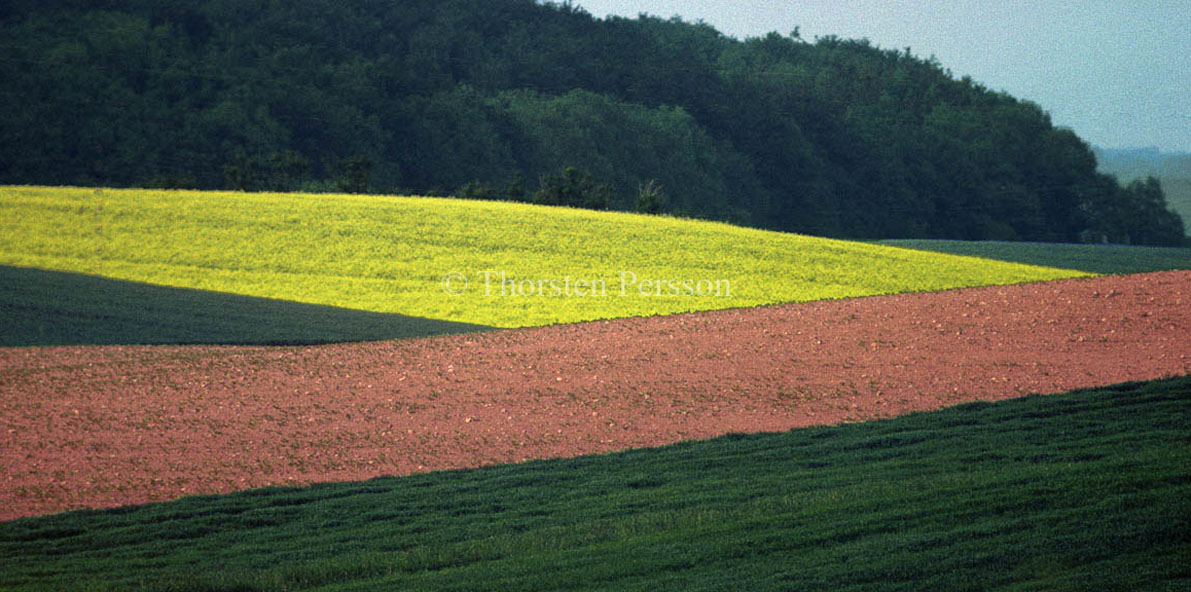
x,y
178,181
1108,259
288,169
1087,490
650,198
281,171
835,137
478,190
573,188
354,174
516,189
1146,200
39,307
245,173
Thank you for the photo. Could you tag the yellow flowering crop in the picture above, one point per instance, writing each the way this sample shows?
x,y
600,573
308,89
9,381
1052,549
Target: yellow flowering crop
x,y
488,263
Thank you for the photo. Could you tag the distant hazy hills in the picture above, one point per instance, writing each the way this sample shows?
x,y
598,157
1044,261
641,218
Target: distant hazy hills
x,y
1172,169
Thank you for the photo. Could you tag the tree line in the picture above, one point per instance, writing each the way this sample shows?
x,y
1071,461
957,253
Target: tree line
x,y
515,99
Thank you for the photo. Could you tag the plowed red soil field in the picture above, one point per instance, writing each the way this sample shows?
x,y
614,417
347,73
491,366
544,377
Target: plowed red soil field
x,y
108,426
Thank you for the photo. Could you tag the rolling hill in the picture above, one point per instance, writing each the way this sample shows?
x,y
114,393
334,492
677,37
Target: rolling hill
x,y
1082,490
495,264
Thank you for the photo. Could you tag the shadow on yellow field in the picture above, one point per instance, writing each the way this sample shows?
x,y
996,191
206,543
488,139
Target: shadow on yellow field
x,y
39,307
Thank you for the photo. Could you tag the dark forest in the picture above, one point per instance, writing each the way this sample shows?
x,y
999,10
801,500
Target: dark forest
x,y
512,99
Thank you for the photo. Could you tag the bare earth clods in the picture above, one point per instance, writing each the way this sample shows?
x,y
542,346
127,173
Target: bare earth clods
x,y
109,426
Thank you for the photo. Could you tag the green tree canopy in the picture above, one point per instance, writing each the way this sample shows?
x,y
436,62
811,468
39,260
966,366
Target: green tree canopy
x,y
834,137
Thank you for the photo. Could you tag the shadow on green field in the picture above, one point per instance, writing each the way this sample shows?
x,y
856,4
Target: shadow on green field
x,y
39,307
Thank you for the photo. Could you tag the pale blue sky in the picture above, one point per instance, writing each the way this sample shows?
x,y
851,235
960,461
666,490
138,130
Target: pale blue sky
x,y
1117,72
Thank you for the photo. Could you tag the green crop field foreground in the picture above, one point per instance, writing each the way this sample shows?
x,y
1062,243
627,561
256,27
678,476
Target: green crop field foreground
x,y
1081,491
478,263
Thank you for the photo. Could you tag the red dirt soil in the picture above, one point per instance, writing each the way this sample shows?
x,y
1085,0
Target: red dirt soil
x,y
108,426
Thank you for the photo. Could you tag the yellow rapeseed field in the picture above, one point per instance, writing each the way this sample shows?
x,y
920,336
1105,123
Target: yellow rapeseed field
x,y
489,263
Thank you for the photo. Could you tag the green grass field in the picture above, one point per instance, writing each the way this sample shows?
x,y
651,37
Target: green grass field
x,y
1086,490
391,254
1099,259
